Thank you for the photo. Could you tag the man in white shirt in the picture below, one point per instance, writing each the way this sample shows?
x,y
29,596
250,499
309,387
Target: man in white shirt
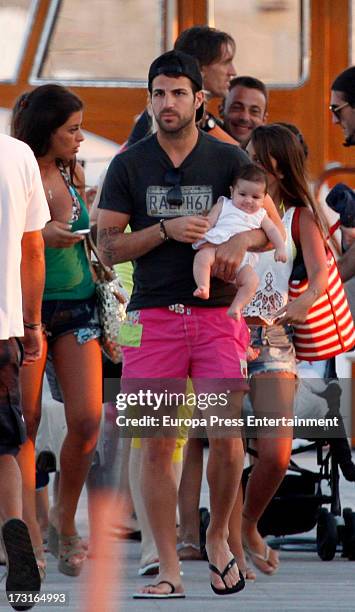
x,y
23,213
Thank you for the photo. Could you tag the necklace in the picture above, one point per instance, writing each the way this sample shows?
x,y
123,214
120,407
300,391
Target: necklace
x,y
50,194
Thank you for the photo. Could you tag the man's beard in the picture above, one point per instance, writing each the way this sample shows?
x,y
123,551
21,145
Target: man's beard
x,y
177,129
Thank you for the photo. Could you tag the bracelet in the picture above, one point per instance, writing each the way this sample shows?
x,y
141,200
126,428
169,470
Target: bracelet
x,y
32,325
162,231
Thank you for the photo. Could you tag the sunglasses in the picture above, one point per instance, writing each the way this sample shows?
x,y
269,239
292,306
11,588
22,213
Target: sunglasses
x,y
174,196
336,109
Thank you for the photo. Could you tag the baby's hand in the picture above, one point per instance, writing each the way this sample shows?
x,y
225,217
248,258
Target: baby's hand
x,y
280,255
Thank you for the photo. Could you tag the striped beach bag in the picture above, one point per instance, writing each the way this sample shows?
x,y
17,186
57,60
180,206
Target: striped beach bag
x,y
329,327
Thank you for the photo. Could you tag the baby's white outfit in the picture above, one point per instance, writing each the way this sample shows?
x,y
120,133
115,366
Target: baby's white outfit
x,y
232,221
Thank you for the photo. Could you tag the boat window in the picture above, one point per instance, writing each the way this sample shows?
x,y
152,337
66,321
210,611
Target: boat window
x,y
15,23
272,37
105,41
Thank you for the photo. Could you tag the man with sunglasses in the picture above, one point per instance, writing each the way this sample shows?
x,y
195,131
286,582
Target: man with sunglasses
x,y
163,186
342,104
342,107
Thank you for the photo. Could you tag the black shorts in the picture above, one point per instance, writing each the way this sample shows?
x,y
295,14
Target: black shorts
x,y
12,424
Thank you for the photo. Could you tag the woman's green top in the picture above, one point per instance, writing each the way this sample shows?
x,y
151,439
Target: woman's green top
x,y
68,276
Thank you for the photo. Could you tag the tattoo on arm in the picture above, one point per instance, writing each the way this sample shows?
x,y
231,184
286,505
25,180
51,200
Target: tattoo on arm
x,y
106,242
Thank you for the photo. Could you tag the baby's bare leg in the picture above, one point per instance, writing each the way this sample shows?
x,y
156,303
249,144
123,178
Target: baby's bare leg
x,y
247,282
203,261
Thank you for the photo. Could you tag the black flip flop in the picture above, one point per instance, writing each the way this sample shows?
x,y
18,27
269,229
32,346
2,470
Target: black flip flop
x,y
171,595
22,570
239,586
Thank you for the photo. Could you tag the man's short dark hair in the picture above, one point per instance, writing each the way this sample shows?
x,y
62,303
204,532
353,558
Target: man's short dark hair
x,y
249,82
204,43
345,83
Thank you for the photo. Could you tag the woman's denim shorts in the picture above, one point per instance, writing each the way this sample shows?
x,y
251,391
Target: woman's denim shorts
x,y
80,317
61,317
276,350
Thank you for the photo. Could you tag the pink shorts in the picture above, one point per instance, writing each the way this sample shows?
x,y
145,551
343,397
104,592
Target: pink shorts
x,y
204,344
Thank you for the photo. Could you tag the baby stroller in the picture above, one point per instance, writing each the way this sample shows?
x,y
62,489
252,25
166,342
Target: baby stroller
x,y
299,504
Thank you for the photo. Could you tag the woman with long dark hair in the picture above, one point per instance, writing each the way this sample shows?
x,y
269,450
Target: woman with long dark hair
x,y
49,120
269,317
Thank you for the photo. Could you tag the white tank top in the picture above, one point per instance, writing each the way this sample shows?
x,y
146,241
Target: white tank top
x,y
272,293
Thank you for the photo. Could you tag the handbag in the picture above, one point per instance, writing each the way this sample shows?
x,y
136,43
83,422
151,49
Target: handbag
x,y
329,328
112,300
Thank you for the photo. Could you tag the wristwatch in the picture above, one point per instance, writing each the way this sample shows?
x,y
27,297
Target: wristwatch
x,y
162,231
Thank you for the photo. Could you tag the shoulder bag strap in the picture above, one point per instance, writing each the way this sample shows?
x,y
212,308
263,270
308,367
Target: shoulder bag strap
x,y
295,227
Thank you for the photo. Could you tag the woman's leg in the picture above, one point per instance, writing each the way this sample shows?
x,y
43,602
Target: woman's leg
x,y
42,508
78,368
31,378
235,540
271,393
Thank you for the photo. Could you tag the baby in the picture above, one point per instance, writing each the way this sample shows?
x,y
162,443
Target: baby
x,y
229,217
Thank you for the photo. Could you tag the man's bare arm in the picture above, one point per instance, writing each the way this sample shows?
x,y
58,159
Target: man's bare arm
x,y
32,275
115,246
32,284
346,264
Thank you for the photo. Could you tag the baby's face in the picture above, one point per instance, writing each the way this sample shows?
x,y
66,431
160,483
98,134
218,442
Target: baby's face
x,y
248,196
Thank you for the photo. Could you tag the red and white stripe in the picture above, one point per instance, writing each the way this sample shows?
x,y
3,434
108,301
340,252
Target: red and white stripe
x,y
329,327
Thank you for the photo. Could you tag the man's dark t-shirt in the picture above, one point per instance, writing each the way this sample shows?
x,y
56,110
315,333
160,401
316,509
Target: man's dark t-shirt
x,y
135,185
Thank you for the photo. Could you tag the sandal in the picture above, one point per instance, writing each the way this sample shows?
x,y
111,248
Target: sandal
x,y
41,561
238,586
248,573
69,547
260,560
187,551
22,572
149,569
172,593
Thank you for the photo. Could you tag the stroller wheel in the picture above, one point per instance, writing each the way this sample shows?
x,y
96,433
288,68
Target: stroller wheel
x,y
349,534
327,535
